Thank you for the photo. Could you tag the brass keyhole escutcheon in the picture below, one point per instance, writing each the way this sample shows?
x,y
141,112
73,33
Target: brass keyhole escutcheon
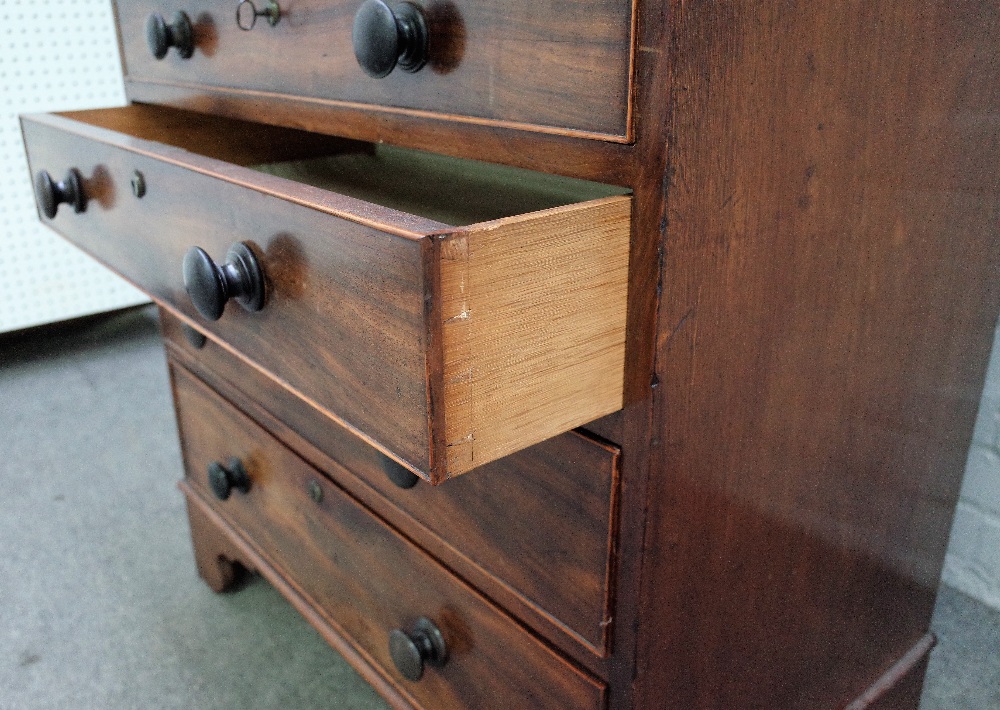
x,y
247,14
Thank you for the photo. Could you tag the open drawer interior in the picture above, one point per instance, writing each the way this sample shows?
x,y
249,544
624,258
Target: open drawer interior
x,y
452,191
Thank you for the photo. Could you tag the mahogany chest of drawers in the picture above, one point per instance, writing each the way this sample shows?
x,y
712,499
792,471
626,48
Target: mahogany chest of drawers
x,y
567,353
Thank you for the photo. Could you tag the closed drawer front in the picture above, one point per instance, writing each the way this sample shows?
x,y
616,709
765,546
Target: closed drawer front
x,y
444,346
546,65
365,578
541,522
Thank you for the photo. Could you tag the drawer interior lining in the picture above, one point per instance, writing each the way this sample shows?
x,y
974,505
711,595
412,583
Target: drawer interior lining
x,y
450,190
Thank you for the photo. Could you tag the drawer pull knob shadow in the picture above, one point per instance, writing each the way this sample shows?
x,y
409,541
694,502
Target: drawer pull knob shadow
x,y
210,285
223,479
385,37
315,491
51,194
138,183
196,339
410,651
400,476
161,35
247,14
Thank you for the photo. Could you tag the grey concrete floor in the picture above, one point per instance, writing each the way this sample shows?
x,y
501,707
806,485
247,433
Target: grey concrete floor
x,y
100,605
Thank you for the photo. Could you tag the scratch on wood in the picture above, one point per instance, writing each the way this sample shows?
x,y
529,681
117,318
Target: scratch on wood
x,y
464,315
691,313
467,439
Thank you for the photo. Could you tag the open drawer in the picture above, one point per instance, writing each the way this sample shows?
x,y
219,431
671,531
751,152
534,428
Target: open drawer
x,y
449,312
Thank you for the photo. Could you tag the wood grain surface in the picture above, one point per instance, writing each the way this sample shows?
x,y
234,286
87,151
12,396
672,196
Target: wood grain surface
x,y
547,65
830,270
486,525
532,314
367,579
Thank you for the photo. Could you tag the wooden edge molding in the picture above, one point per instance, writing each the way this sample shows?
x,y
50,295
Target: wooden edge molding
x,y
434,363
614,540
895,675
533,313
258,96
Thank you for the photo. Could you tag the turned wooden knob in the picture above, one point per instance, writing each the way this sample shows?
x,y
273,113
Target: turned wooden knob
x,y
50,194
423,645
162,35
223,479
211,285
385,37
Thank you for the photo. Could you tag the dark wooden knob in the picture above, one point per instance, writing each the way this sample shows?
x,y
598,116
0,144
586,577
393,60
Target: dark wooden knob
x,y
178,33
223,479
210,286
384,37
51,194
423,645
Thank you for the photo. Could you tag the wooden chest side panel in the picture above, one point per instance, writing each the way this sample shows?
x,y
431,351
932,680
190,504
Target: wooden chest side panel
x,y
830,293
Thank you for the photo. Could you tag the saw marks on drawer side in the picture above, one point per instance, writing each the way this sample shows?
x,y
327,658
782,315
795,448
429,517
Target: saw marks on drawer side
x,y
533,327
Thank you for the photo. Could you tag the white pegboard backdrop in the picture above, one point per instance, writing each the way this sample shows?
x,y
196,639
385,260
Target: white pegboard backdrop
x,y
55,55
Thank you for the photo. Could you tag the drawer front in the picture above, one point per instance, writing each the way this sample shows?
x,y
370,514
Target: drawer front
x,y
566,486
549,65
444,347
367,579
344,321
